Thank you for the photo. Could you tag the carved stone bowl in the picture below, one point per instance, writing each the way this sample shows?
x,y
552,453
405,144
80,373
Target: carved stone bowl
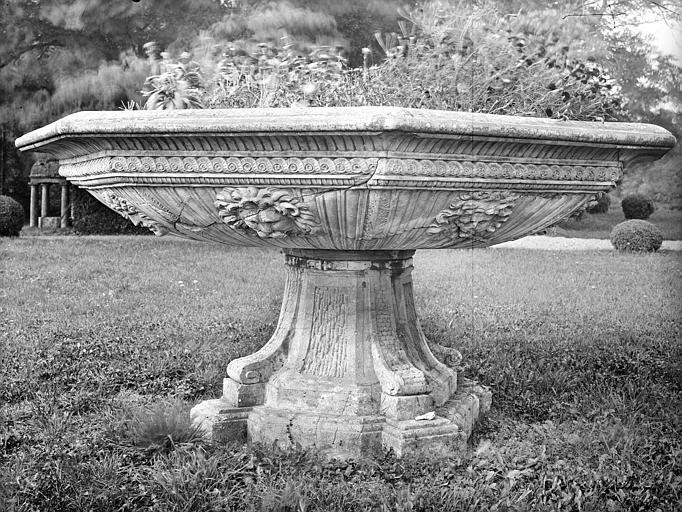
x,y
374,178
349,194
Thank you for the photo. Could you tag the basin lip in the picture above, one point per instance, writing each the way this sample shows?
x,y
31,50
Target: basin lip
x,y
217,122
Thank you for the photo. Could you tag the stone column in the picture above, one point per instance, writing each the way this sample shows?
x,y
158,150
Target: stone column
x,y
33,216
65,205
44,199
72,204
348,368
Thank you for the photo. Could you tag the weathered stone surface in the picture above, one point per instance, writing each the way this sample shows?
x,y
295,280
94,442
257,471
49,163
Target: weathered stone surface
x,y
438,436
349,194
221,421
348,434
405,407
465,406
243,395
448,432
49,223
368,178
112,124
353,368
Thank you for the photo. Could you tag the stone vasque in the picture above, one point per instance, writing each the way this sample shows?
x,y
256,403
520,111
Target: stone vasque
x,y
348,194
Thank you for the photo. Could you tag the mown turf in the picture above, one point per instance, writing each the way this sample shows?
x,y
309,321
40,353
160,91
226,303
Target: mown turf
x,y
106,343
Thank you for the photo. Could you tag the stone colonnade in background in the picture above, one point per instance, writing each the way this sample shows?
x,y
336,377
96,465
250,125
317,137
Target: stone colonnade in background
x,y
40,201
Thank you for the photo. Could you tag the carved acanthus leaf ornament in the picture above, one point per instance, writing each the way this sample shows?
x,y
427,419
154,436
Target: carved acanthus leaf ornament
x,y
267,212
125,209
473,216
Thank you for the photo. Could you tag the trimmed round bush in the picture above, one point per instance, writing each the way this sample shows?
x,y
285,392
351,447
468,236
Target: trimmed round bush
x,y
11,216
600,205
636,235
637,206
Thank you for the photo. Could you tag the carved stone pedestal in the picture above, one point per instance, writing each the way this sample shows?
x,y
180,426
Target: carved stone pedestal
x,y
348,368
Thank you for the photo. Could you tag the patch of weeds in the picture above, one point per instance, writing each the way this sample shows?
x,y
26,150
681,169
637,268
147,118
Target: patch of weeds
x,y
158,427
190,479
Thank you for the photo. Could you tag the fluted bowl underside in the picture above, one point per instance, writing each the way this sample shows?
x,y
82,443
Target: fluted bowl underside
x,y
364,178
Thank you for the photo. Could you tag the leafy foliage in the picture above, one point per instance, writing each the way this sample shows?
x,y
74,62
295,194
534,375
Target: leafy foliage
x,y
11,216
450,56
456,57
106,28
280,76
669,221
176,86
637,206
90,217
600,205
637,236
357,21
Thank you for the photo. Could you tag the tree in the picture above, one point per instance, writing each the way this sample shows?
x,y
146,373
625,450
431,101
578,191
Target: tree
x,y
40,26
59,56
359,20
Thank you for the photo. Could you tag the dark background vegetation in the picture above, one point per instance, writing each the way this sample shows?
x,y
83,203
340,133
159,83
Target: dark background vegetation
x,y
62,56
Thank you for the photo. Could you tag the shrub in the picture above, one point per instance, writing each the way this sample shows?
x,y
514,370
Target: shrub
x,y
636,235
90,217
600,204
637,206
446,57
474,59
11,216
179,87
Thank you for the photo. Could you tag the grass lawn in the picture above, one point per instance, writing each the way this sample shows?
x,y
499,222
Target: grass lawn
x,y
599,225
105,344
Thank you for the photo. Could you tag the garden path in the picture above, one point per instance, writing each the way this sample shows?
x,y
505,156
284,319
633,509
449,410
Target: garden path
x,y
574,244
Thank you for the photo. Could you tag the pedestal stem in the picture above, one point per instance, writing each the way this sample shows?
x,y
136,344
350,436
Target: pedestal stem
x,y
347,358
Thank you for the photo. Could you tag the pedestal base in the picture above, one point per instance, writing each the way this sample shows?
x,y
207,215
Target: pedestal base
x,y
348,369
352,435
220,421
346,436
448,431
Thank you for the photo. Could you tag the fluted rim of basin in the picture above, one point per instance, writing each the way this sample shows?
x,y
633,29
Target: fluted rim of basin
x,y
345,119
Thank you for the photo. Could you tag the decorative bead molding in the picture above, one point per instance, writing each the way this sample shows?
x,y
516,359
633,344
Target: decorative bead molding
x,y
221,165
474,216
267,212
127,210
322,166
500,170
